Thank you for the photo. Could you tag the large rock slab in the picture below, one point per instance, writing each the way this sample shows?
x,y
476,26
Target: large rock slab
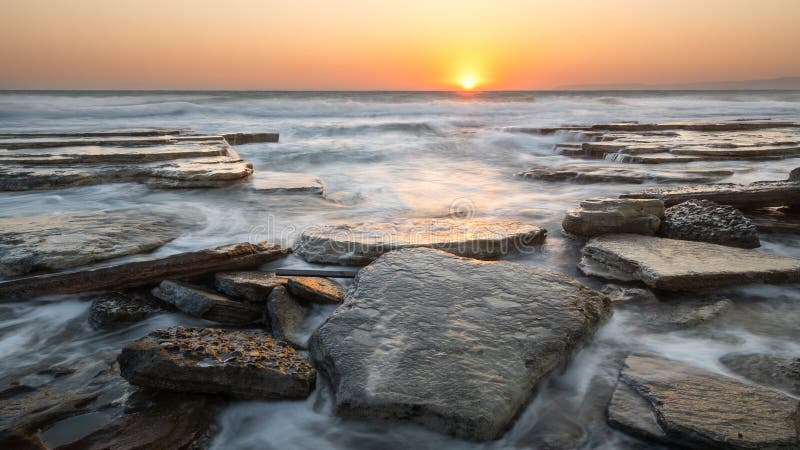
x,y
246,364
198,302
676,403
253,286
676,265
608,215
113,155
743,196
778,371
316,289
454,344
705,221
61,241
590,174
141,273
286,182
360,244
250,138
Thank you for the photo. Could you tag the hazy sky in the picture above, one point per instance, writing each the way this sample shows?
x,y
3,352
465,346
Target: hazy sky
x,y
387,44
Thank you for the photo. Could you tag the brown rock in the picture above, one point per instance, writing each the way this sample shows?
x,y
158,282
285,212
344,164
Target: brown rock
x,y
316,289
253,286
198,302
600,216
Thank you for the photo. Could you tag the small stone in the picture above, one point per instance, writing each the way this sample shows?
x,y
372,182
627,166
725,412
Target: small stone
x,y
316,289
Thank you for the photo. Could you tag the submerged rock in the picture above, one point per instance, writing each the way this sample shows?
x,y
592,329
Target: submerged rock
x,y
599,216
681,313
454,344
285,182
198,302
362,243
117,309
285,315
250,138
677,265
622,294
247,364
743,196
316,289
61,241
253,286
775,220
706,221
679,404
781,372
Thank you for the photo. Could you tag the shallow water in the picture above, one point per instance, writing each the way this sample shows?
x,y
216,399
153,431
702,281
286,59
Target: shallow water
x,y
393,156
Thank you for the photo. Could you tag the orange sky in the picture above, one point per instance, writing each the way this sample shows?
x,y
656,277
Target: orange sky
x,y
387,44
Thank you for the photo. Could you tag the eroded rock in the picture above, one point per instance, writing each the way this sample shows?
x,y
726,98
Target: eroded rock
x,y
199,302
676,265
454,344
600,216
247,364
118,309
743,196
253,286
285,315
362,243
679,404
705,221
316,289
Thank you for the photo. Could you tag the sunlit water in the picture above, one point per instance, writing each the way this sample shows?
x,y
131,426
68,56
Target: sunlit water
x,y
394,156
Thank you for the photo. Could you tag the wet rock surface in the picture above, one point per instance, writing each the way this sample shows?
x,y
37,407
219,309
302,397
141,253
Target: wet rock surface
x,y
679,404
117,309
54,242
316,289
676,265
600,216
247,364
794,175
360,244
778,371
451,343
775,220
286,182
286,314
743,196
705,221
623,294
199,302
589,174
253,286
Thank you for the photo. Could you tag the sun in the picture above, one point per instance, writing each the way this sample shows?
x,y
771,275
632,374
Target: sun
x,y
468,82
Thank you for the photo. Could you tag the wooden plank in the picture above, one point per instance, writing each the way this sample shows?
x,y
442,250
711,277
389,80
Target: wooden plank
x,y
335,273
140,273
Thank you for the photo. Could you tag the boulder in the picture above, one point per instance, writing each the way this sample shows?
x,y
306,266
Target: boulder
x,y
316,289
743,196
253,286
362,243
679,404
118,309
781,372
141,273
675,265
706,221
198,302
61,241
599,216
246,364
286,182
285,314
451,343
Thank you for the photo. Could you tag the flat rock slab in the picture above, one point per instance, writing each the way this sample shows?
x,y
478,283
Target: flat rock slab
x,y
253,286
247,364
625,174
599,216
316,289
454,344
676,403
775,220
676,265
112,155
287,182
198,302
705,221
250,138
743,196
360,244
61,241
117,309
778,371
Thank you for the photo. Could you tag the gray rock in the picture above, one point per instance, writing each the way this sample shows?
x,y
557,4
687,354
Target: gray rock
x,y
198,302
61,241
621,294
590,174
781,372
247,364
743,196
253,286
451,343
681,313
286,315
286,182
361,244
117,309
316,289
794,175
599,216
775,220
705,221
679,404
675,265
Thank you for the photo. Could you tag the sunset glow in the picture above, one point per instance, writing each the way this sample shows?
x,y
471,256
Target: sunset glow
x,y
392,44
